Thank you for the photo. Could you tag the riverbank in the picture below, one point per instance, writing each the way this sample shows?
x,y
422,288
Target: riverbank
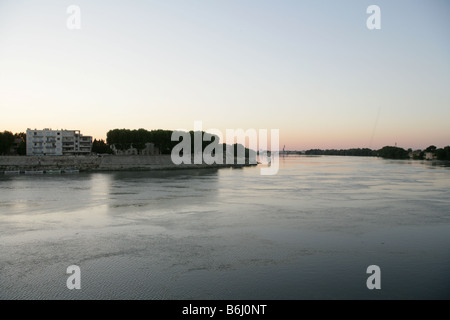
x,y
95,163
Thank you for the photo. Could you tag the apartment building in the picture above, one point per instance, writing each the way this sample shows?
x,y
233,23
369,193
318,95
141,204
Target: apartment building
x,y
49,142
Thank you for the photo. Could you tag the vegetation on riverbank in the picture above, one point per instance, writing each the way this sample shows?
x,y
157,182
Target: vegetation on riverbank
x,y
12,143
388,152
15,144
124,139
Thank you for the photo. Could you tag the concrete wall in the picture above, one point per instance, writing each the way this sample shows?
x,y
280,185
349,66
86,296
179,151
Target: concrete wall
x,y
93,163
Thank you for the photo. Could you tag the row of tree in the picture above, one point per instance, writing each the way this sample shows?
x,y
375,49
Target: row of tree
x,y
443,153
11,144
123,139
387,152
365,152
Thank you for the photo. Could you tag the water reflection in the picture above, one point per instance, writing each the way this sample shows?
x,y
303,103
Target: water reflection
x,y
46,193
445,164
157,192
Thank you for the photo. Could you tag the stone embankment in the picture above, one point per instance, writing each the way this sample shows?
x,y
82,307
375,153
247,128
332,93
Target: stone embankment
x,y
96,163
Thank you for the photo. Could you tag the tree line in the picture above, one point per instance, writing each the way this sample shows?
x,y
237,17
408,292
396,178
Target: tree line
x,y
123,139
387,152
343,152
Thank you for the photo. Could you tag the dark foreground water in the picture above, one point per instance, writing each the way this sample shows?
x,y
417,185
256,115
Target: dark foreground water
x,y
309,232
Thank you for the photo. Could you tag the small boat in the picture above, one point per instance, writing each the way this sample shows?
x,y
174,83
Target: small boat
x,y
71,171
52,171
34,172
12,172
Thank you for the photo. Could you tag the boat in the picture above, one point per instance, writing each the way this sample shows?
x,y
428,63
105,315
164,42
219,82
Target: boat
x,y
52,171
12,172
71,171
34,172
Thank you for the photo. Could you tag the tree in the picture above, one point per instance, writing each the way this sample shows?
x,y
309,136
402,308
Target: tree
x,y
6,141
393,153
22,146
100,146
430,149
443,154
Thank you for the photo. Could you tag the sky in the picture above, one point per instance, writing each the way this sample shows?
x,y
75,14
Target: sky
x,y
311,69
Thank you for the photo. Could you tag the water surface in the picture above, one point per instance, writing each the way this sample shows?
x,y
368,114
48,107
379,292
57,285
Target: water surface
x,y
308,232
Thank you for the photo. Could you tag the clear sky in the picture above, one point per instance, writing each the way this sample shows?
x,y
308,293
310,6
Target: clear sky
x,y
311,69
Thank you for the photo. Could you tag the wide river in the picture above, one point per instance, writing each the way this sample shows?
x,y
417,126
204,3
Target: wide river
x,y
309,232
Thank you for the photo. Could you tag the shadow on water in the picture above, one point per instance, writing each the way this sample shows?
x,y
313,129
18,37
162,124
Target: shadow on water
x,y
163,174
443,164
159,190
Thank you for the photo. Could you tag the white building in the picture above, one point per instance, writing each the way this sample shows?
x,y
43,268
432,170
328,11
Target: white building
x,y
49,142
430,156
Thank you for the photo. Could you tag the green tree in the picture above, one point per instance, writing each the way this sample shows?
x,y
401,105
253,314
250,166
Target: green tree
x,y
6,142
393,153
431,149
100,146
443,153
22,146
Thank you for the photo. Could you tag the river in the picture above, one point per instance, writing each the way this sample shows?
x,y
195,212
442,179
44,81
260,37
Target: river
x,y
309,232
